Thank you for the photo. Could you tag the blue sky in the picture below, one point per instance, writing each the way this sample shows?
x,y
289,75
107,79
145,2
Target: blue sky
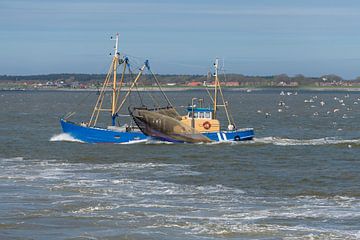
x,y
255,37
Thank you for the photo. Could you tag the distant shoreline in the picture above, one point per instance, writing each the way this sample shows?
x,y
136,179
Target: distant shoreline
x,y
178,89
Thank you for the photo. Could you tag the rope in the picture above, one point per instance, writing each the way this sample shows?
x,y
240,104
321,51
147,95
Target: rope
x,y
68,115
160,88
136,87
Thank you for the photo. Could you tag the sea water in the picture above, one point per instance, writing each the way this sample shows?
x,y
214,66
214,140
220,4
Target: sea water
x,y
298,179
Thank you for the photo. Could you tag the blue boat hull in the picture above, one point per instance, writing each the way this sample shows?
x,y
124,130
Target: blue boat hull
x,y
236,135
102,135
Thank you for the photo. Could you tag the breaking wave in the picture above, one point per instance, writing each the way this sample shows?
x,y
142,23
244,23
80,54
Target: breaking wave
x,y
139,194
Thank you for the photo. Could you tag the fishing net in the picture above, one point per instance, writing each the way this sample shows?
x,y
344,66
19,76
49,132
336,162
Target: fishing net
x,y
165,124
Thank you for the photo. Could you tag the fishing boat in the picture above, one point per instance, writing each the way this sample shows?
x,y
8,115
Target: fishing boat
x,y
200,124
117,131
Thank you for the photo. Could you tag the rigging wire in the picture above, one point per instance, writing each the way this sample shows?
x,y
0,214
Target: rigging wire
x,y
153,97
136,85
226,108
207,89
80,104
99,102
160,88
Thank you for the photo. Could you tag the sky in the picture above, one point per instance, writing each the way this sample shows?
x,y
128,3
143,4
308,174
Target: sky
x,y
252,37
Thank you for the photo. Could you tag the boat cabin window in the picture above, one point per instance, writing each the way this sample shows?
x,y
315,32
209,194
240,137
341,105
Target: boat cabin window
x,y
206,115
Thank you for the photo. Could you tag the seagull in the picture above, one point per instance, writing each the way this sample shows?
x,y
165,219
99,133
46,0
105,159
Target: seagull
x,y
281,103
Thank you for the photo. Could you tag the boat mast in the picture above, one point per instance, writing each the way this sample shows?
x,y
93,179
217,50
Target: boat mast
x,y
224,103
115,63
216,64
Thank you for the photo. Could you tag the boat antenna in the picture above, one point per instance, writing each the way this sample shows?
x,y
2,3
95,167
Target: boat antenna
x,y
216,65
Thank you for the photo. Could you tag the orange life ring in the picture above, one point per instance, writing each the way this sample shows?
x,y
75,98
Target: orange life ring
x,y
207,125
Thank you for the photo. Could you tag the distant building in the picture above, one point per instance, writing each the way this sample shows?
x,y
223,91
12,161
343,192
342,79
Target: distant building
x,y
75,84
232,84
288,84
49,83
194,84
227,84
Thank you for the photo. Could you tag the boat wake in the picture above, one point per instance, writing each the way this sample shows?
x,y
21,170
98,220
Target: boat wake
x,y
133,142
64,137
278,141
306,142
155,142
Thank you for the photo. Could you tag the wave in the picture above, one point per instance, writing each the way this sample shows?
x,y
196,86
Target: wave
x,y
64,137
120,191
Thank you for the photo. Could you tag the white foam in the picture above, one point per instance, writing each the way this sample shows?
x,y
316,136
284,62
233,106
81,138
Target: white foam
x,y
115,190
12,159
154,141
305,142
64,137
135,142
